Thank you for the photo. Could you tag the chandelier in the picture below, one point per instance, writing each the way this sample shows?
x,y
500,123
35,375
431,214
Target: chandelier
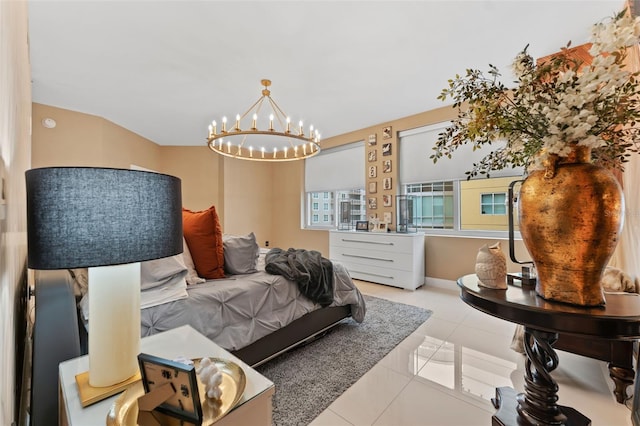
x,y
270,137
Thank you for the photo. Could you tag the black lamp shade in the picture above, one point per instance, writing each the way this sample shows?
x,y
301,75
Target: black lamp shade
x,y
81,217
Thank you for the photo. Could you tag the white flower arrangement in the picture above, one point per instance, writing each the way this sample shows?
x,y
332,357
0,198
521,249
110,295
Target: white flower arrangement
x,y
556,105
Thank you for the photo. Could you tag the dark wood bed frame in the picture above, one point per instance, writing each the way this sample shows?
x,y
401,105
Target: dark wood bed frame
x,y
309,327
59,336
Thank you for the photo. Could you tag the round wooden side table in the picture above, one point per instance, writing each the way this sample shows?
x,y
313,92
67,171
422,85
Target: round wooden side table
x,y
618,319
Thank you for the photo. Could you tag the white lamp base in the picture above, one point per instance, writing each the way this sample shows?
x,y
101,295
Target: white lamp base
x,y
114,323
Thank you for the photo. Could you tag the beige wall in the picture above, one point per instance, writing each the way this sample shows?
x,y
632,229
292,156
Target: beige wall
x,y
451,257
248,198
202,175
15,153
86,140
378,181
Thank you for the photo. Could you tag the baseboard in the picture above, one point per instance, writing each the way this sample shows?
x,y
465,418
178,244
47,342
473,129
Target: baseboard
x,y
441,283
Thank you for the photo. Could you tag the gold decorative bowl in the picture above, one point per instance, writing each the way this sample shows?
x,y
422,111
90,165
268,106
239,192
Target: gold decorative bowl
x,y
124,411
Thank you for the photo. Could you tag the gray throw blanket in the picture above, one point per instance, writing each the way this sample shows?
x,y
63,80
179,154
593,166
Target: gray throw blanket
x,y
312,272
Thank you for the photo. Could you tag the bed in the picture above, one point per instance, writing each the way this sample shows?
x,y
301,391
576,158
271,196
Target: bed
x,y
257,315
254,302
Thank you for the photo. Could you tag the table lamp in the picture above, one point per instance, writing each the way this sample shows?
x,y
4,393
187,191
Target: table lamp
x,y
106,220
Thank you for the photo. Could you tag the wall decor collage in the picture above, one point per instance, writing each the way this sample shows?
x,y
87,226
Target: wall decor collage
x,y
381,175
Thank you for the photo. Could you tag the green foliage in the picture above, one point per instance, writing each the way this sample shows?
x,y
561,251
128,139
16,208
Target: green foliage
x,y
554,107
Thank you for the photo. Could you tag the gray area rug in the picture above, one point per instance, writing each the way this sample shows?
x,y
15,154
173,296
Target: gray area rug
x,y
308,379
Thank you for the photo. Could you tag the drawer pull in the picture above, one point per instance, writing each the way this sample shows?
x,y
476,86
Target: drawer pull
x,y
367,257
367,242
369,273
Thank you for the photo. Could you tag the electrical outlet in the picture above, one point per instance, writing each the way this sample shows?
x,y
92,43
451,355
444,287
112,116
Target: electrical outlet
x,y
266,243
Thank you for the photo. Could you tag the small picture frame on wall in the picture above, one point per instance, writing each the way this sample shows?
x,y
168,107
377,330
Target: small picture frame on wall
x,y
372,155
373,171
386,149
386,217
386,200
373,187
386,132
372,139
386,166
386,183
373,203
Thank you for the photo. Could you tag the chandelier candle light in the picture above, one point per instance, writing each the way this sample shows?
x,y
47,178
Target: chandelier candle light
x,y
276,143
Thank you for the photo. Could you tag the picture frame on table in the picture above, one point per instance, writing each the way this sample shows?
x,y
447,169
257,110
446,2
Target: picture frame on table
x,y
380,227
184,401
345,214
362,225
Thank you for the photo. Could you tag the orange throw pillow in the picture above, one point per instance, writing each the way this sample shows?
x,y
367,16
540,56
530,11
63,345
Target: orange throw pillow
x,y
203,234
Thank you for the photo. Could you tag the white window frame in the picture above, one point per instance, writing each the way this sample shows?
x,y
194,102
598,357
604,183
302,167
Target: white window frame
x,y
493,204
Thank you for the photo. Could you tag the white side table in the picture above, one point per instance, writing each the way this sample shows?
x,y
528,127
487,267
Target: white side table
x,y
255,407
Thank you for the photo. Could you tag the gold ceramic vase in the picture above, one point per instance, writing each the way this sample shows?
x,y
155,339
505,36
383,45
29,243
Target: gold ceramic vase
x,y
571,216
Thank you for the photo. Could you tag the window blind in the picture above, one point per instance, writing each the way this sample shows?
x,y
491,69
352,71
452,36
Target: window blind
x,y
416,146
334,169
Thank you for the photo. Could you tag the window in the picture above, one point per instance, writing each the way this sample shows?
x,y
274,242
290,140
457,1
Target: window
x,y
433,204
356,208
335,175
444,200
494,203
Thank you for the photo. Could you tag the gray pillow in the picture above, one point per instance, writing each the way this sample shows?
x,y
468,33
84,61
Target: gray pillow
x,y
240,254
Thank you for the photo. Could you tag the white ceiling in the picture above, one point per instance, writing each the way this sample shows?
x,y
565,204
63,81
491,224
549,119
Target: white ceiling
x,y
165,69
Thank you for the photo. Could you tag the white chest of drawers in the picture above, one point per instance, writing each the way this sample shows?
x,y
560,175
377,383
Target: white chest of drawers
x,y
385,258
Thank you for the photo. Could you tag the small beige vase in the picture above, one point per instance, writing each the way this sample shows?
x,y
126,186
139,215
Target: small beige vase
x,y
491,267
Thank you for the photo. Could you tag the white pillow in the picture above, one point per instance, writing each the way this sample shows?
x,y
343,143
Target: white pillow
x,y
192,275
162,281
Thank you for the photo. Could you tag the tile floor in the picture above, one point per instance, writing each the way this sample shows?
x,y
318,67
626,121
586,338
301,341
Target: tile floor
x,y
445,373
